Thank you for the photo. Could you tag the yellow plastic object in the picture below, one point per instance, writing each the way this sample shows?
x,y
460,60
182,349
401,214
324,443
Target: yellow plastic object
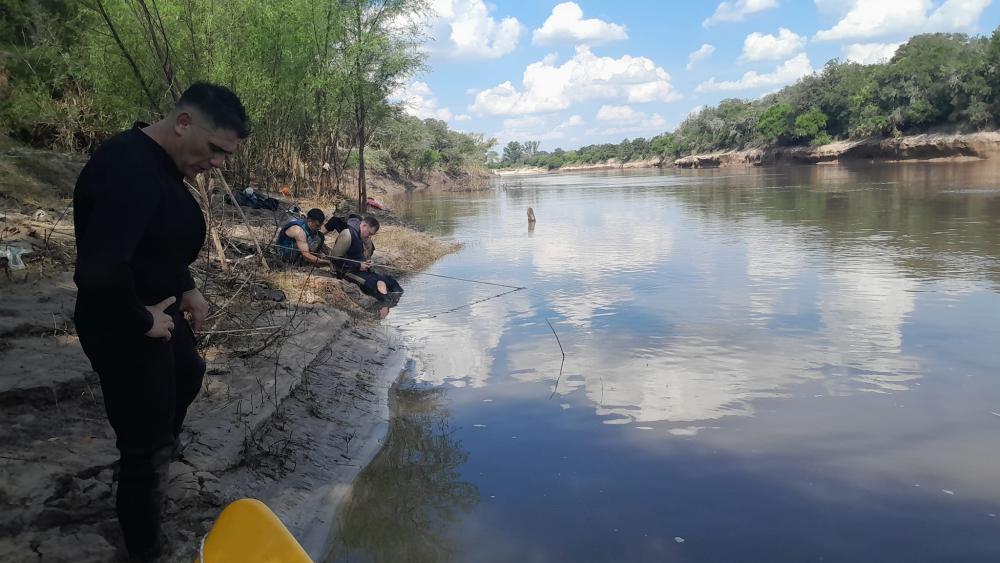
x,y
248,532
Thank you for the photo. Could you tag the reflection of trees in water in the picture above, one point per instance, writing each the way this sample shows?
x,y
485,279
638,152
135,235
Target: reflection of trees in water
x,y
930,215
404,502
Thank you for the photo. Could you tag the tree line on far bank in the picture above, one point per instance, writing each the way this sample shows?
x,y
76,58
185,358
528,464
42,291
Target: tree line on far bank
x,y
316,77
934,82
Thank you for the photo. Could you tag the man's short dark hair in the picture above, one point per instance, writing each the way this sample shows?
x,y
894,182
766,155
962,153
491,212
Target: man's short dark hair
x,y
316,215
218,103
371,222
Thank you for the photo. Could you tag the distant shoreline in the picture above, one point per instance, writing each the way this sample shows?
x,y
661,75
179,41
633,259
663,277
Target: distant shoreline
x,y
926,147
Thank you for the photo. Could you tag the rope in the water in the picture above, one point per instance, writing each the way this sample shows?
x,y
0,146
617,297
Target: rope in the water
x,y
428,316
562,363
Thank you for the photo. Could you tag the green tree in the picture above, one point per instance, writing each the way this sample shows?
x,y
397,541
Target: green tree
x,y
809,124
513,153
530,148
378,52
776,124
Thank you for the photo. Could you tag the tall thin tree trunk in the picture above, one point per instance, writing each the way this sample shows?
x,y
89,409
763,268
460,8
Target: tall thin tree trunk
x,y
153,105
362,187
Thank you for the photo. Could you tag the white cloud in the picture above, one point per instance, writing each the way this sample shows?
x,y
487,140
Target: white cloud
x,y
736,11
566,25
624,119
789,71
418,100
537,128
573,121
524,123
465,29
761,47
618,113
869,53
701,54
552,87
862,19
463,117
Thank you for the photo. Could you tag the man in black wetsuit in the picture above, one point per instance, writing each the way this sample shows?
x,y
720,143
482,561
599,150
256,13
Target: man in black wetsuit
x,y
351,256
137,230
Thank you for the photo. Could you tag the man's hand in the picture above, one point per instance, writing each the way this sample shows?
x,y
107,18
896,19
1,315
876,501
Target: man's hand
x,y
195,305
366,265
163,324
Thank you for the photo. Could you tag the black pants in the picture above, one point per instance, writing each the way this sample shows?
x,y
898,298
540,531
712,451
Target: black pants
x,y
148,385
369,282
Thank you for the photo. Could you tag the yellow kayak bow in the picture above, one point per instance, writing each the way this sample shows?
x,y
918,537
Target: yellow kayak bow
x,y
248,532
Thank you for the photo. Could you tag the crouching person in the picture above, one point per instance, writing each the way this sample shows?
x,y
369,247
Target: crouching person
x,y
351,255
301,242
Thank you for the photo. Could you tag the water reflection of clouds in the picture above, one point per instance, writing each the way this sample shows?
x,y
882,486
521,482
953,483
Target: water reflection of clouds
x,y
462,344
702,376
864,303
772,263
695,378
590,248
581,306
762,303
719,369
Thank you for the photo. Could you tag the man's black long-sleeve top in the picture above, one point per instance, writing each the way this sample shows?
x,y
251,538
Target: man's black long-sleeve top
x,y
137,230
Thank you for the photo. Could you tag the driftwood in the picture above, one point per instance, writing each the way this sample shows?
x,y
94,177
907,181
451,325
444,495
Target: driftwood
x,y
213,231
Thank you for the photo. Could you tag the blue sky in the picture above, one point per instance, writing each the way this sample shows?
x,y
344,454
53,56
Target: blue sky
x,y
593,71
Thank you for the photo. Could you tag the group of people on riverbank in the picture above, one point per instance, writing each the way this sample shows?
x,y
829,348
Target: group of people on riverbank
x,y
302,241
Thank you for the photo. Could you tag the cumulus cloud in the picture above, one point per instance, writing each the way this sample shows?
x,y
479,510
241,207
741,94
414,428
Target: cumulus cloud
x,y
869,53
701,54
624,119
864,19
566,25
789,71
738,10
548,86
761,47
537,128
466,29
418,100
618,113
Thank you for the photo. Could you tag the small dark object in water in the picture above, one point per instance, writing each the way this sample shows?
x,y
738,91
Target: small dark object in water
x,y
531,215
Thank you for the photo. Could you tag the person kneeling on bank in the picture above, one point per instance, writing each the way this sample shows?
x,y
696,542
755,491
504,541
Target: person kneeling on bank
x,y
301,242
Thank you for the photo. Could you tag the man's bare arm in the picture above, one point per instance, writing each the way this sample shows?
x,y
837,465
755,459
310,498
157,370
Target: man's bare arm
x,y
299,236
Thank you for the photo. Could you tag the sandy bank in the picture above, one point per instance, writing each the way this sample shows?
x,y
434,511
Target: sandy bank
x,y
929,147
611,164
974,146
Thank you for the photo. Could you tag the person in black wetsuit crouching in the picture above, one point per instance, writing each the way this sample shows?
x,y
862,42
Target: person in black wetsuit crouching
x,y
137,230
351,254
